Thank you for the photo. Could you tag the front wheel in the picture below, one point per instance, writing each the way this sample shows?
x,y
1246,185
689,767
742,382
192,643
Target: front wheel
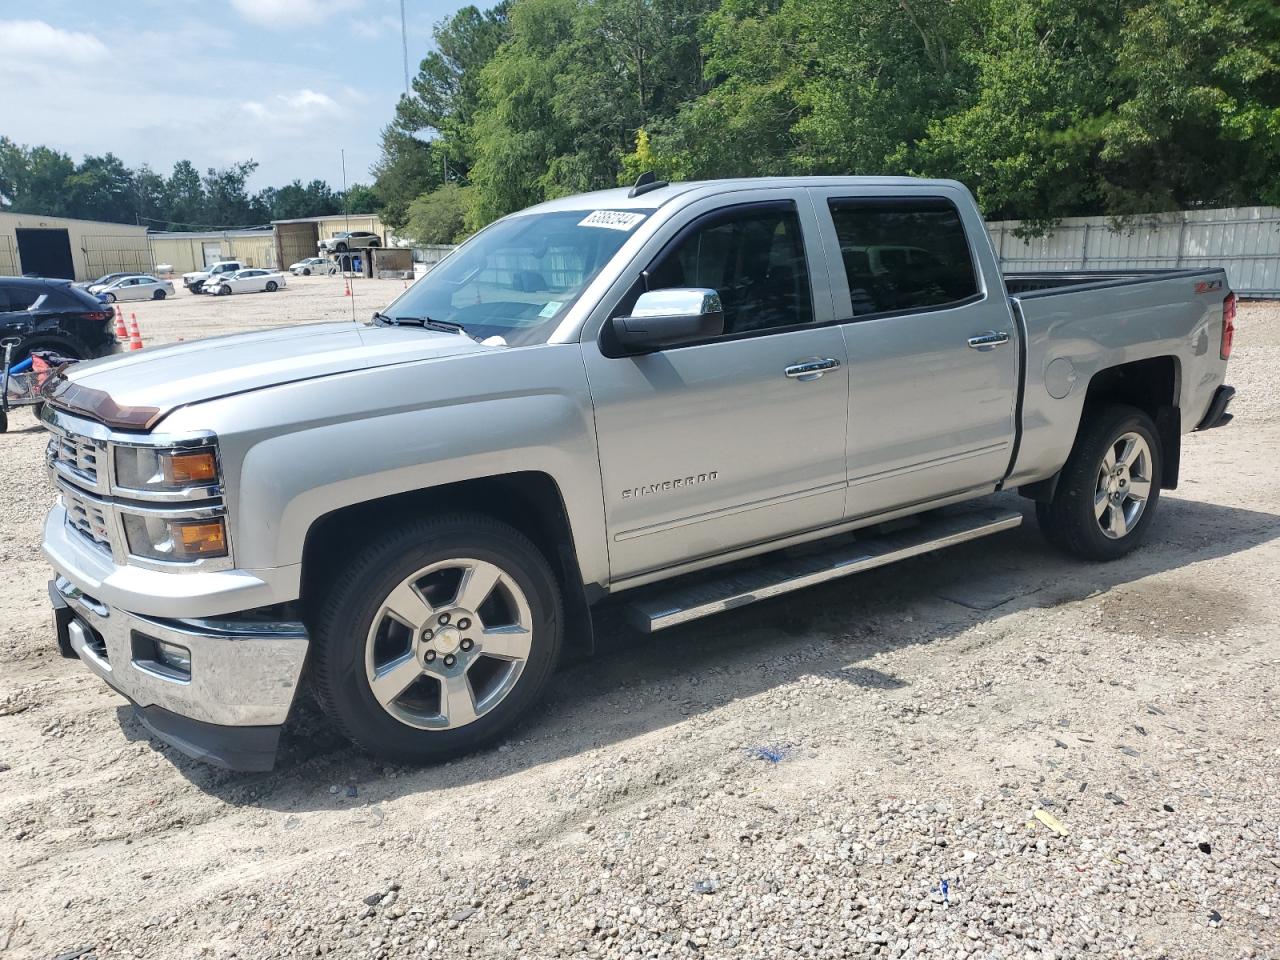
x,y
306,272
437,638
224,291
341,248
1108,490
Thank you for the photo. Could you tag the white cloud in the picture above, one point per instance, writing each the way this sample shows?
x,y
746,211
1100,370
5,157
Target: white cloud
x,y
278,14
309,101
33,41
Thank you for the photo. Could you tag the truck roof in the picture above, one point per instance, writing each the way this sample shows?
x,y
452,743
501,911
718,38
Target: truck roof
x,y
618,198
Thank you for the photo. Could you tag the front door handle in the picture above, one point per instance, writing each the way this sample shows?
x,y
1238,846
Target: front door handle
x,y
992,338
811,369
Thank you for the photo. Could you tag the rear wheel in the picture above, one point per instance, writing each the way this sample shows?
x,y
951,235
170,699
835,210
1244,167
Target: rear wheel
x,y
272,286
437,638
158,295
109,297
1108,490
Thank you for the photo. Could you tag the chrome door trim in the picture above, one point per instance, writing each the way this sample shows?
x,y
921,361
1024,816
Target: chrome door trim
x,y
985,341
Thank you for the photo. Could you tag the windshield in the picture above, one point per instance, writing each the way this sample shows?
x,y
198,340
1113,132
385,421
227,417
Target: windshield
x,y
517,278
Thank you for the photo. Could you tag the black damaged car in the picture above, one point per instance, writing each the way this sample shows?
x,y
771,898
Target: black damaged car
x,y
54,315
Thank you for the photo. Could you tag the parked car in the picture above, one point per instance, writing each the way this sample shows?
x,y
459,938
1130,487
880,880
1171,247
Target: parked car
x,y
246,281
135,288
350,240
319,265
676,398
54,315
196,279
93,286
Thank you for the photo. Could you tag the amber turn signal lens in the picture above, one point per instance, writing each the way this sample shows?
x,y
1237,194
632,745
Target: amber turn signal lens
x,y
207,538
184,468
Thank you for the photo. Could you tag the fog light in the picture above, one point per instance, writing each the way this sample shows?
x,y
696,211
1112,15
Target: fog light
x,y
172,655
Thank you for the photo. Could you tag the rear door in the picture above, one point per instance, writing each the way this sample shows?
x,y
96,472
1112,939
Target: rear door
x,y
713,446
933,353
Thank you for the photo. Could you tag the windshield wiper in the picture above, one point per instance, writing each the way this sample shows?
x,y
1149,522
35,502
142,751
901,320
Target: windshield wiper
x,y
447,326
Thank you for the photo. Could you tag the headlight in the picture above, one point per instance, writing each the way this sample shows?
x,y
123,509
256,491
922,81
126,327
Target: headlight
x,y
159,538
147,468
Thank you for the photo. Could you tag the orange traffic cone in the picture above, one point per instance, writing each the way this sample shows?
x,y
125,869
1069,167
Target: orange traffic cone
x,y
347,292
135,338
121,333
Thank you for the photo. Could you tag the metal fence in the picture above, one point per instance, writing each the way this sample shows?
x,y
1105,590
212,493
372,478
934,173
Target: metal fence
x,y
1244,240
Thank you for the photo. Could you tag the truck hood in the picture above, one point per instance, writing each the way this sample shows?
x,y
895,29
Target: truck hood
x,y
118,389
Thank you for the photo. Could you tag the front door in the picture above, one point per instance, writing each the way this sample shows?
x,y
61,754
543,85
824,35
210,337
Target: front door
x,y
709,447
933,355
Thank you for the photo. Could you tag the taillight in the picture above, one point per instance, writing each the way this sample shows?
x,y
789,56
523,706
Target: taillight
x,y
1228,325
97,315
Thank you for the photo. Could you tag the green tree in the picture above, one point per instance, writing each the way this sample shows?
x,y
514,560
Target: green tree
x,y
439,216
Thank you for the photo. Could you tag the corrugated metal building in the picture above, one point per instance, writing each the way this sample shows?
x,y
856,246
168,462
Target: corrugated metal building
x,y
1244,240
74,249
195,251
298,239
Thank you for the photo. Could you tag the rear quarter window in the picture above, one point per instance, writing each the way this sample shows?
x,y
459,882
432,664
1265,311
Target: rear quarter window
x,y
903,253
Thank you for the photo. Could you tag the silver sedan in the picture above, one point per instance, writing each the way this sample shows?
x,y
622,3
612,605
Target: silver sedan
x,y
134,287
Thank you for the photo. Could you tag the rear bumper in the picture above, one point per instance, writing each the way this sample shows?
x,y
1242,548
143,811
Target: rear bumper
x,y
227,708
1217,415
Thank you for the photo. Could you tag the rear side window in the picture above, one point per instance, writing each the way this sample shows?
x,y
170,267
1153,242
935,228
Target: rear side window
x,y
19,297
903,254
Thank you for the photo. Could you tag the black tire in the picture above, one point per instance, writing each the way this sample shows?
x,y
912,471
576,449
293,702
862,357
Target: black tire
x,y
272,286
375,243
1069,521
109,297
341,248
224,291
342,627
4,422
158,295
306,271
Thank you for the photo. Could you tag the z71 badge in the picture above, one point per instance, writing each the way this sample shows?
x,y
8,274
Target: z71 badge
x,y
1208,286
665,485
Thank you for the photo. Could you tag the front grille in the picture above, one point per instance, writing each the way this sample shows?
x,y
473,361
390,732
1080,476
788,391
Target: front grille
x,y
87,518
81,457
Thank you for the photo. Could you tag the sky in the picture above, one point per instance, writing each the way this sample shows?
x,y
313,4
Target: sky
x,y
288,83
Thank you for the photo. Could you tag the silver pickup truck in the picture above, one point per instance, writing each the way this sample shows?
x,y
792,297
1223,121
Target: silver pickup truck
x,y
651,396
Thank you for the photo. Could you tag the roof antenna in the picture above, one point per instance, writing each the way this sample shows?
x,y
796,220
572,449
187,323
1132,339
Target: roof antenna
x,y
644,183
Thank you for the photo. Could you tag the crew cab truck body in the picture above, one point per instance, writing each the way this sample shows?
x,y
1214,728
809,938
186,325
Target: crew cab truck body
x,y
654,394
196,279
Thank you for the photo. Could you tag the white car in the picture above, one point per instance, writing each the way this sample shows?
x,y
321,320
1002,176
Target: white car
x,y
135,287
196,279
318,265
246,281
350,240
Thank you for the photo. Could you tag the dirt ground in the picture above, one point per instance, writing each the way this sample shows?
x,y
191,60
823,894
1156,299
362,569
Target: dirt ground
x,y
991,751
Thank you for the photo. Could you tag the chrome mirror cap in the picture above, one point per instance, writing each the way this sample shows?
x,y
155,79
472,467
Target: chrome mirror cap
x,y
678,302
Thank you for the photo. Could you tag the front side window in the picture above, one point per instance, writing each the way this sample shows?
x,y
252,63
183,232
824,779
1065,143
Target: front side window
x,y
517,278
903,253
753,257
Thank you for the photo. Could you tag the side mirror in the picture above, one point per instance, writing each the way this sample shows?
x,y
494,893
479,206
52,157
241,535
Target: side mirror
x,y
668,318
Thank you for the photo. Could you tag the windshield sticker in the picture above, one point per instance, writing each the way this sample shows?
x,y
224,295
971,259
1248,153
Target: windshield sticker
x,y
551,308
611,219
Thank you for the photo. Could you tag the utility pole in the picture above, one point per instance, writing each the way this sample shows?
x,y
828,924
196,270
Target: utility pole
x,y
346,208
404,46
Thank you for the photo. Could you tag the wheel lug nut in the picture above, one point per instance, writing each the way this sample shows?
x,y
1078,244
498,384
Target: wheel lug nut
x,y
450,660
444,618
429,656
427,634
467,643
464,623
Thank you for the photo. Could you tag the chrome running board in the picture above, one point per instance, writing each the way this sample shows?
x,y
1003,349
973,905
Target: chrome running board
x,y
672,603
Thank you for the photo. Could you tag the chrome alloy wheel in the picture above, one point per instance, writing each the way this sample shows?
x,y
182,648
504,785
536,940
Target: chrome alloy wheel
x,y
448,644
1124,484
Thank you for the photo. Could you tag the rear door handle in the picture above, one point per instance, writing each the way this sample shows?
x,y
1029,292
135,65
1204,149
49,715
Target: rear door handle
x,y
992,338
811,369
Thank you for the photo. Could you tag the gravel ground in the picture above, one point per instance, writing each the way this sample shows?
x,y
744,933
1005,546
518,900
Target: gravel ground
x,y
987,752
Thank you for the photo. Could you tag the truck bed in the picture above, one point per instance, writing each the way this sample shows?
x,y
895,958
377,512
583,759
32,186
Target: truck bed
x,y
1049,282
